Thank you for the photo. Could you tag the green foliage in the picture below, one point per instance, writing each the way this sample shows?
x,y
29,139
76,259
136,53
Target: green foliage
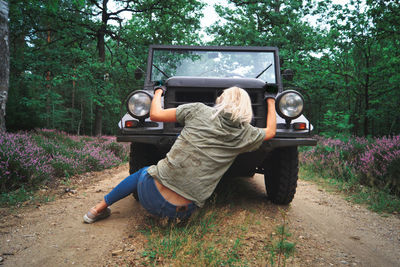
x,y
18,196
336,124
71,68
64,76
22,195
377,200
347,71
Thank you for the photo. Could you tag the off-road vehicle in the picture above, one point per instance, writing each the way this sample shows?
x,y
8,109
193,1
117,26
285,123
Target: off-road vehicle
x,y
200,74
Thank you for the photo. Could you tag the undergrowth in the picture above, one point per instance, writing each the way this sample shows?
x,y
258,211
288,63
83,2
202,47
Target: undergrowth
x,y
373,162
29,160
366,169
23,195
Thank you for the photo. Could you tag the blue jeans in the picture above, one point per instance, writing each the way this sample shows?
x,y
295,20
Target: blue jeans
x,y
149,196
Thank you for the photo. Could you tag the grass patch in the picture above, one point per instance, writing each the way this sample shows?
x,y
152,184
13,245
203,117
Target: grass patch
x,y
377,200
280,248
233,229
23,196
183,244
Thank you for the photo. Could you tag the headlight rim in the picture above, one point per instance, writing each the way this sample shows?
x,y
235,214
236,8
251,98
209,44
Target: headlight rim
x,y
278,99
127,104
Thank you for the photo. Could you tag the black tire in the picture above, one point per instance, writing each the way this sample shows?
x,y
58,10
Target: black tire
x,y
281,173
142,155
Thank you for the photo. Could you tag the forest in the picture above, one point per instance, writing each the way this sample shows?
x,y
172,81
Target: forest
x,y
72,63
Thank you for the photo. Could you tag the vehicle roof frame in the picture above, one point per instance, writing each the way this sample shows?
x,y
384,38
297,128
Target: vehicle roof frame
x,y
275,50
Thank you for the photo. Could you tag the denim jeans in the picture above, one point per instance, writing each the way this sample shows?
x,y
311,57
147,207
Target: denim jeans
x,y
149,196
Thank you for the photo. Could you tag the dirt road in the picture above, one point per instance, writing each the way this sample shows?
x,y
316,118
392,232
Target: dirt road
x,y
329,231
332,231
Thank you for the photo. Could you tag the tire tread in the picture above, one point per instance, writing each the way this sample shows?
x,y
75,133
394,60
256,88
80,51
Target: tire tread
x,y
281,175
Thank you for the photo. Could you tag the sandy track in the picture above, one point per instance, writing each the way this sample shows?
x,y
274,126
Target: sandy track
x,y
54,234
332,231
329,231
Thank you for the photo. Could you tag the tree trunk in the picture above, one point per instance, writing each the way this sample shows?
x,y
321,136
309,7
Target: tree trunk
x,y
366,103
4,63
102,57
277,6
73,101
366,92
98,119
80,121
49,97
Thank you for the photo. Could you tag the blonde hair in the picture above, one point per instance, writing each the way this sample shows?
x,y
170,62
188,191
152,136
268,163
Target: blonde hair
x,y
235,101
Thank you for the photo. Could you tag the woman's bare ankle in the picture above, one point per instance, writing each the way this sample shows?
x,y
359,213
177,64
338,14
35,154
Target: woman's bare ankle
x,y
100,206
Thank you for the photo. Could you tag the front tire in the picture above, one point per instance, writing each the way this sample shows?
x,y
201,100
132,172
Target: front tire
x,y
281,173
142,155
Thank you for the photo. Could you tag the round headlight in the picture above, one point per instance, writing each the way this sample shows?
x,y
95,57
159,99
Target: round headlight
x,y
138,104
289,104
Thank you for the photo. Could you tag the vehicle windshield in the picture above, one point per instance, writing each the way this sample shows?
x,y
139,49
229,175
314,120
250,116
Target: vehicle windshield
x,y
217,64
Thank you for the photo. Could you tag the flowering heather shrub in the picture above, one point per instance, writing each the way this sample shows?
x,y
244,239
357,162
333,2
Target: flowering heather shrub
x,y
374,162
77,154
22,161
95,158
380,163
30,158
120,151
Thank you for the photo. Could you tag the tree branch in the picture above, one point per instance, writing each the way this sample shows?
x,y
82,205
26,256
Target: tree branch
x,y
115,18
84,12
111,53
96,4
127,8
242,3
342,74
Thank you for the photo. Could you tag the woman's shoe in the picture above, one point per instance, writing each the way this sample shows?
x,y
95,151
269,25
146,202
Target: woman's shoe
x,y
92,215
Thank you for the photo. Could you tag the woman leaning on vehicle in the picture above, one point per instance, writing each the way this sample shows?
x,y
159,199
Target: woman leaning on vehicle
x,y
211,139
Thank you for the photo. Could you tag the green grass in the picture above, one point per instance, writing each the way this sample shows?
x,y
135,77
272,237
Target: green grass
x,y
18,197
280,248
230,230
189,244
376,200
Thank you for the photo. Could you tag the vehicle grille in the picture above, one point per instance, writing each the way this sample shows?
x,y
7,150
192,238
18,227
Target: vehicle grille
x,y
179,96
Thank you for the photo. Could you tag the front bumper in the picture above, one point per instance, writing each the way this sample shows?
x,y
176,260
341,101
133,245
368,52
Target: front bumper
x,y
282,142
168,140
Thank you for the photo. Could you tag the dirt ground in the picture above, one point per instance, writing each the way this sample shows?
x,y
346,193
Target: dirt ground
x,y
328,230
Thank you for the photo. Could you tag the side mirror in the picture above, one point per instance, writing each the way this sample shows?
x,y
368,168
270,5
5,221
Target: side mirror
x,y
288,74
138,73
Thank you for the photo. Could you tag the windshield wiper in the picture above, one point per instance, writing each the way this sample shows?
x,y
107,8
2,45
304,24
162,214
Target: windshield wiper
x,y
261,73
162,71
